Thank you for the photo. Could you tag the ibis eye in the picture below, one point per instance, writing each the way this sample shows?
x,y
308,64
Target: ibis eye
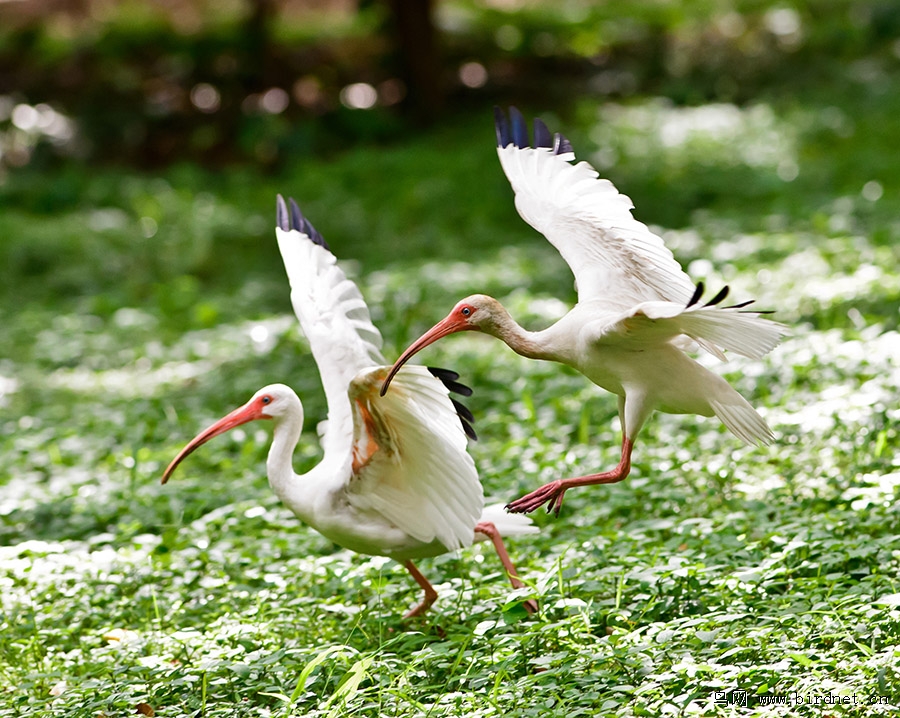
x,y
267,400
466,311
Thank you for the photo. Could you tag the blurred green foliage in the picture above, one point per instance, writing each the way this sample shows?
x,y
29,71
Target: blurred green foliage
x,y
129,74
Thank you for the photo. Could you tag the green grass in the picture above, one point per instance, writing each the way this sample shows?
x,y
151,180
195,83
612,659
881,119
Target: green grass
x,y
127,306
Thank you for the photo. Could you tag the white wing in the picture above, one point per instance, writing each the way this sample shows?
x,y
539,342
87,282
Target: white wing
x,y
614,257
333,316
717,329
410,462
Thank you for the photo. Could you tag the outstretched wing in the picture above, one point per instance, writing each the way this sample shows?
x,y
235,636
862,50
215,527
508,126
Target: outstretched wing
x,y
410,462
333,316
614,257
717,329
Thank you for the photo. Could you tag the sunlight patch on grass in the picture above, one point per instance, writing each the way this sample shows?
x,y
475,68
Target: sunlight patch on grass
x,y
8,385
659,131
139,380
839,402
217,346
876,489
35,566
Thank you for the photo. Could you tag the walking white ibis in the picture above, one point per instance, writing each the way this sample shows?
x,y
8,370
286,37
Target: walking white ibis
x,y
637,311
396,479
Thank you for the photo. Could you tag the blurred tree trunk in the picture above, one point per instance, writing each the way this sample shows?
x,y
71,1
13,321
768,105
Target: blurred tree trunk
x,y
258,41
415,35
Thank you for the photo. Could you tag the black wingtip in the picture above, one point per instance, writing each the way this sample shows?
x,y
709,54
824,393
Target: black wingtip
x,y
466,419
443,374
501,126
698,292
515,131
313,234
561,145
740,305
449,378
296,215
542,136
723,292
295,220
281,214
462,411
519,128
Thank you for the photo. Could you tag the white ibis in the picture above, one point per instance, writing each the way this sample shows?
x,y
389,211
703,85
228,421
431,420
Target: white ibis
x,y
637,311
396,479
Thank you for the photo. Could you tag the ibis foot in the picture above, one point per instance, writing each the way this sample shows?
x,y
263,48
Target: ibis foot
x,y
551,494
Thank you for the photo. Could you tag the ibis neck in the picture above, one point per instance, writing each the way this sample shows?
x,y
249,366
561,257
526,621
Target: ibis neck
x,y
517,338
279,464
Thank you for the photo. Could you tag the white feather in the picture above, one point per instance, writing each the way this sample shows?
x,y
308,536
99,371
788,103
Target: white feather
x,y
742,332
716,329
414,469
421,478
335,320
614,257
742,420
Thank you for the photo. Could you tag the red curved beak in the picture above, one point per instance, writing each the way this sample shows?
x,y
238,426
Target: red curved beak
x,y
248,412
446,326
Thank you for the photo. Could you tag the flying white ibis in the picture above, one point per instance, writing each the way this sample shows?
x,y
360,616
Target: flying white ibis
x,y
396,479
637,311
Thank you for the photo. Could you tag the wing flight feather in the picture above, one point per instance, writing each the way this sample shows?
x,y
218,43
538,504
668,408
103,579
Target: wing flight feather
x,y
408,448
333,316
614,257
716,329
417,473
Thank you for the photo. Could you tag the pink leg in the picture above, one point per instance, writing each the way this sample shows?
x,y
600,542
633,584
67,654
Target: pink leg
x,y
489,530
552,494
430,593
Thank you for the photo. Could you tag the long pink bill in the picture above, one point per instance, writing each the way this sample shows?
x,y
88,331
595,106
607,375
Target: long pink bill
x,y
241,415
441,329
